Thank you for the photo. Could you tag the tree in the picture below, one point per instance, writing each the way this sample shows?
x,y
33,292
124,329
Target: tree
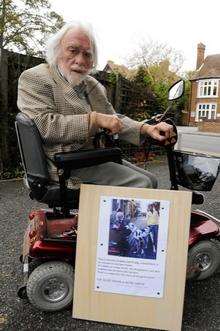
x,y
183,106
24,24
141,96
157,78
142,78
161,64
151,53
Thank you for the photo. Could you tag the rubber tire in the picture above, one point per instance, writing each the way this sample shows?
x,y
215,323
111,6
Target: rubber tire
x,y
206,246
42,274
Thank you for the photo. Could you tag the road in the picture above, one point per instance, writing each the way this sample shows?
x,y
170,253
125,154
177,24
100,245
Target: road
x,y
203,142
202,299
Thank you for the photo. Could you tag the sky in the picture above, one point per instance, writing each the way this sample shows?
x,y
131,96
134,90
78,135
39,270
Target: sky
x,y
121,25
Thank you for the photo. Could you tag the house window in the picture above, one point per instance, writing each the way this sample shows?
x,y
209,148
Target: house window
x,y
208,88
206,111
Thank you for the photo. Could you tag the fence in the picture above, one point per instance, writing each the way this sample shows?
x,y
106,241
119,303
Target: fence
x,y
11,66
127,97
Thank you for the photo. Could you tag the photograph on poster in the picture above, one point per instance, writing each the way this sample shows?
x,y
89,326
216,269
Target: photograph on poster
x,y
133,228
132,246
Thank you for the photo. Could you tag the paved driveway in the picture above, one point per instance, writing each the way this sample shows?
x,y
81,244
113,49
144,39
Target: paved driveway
x,y
202,299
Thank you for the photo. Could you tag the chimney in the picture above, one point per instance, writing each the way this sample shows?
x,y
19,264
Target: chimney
x,y
200,55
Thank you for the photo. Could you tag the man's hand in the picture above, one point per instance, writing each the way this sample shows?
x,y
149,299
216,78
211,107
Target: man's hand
x,y
161,131
110,122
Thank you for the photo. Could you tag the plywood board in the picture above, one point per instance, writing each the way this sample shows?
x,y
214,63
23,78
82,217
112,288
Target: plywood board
x,y
163,312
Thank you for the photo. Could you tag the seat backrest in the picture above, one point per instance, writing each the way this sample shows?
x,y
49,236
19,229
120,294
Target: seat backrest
x,y
31,150
35,166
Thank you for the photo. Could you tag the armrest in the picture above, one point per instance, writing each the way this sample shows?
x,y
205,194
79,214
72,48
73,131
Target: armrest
x,y
87,158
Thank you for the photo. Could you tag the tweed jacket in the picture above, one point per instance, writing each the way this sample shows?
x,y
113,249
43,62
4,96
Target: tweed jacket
x,y
61,114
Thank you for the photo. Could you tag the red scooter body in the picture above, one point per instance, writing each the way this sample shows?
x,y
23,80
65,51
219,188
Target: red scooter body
x,y
204,246
203,226
49,236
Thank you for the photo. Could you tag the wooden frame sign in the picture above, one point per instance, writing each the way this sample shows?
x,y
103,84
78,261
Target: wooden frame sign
x,y
131,256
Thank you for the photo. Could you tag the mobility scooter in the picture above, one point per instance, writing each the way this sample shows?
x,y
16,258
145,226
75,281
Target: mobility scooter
x,y
49,244
50,239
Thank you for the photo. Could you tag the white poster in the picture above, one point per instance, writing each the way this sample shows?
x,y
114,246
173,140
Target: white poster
x,y
132,246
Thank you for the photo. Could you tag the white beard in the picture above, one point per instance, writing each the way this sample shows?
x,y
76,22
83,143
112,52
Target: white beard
x,y
72,77
75,78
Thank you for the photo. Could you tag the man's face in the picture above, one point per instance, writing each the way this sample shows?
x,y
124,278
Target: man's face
x,y
75,58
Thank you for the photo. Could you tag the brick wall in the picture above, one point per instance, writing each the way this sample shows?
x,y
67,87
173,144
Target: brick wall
x,y
209,126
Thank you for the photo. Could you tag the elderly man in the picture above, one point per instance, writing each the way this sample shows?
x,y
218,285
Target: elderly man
x,y
68,107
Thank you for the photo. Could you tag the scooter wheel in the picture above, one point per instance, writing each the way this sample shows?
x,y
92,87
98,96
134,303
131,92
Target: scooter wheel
x,y
50,286
203,260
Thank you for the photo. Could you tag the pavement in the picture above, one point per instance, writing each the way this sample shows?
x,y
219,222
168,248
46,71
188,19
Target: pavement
x,y
186,129
202,298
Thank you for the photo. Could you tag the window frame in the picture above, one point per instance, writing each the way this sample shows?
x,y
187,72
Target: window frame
x,y
205,110
206,88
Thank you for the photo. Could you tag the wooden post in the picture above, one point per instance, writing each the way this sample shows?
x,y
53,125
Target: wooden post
x,y
3,108
117,102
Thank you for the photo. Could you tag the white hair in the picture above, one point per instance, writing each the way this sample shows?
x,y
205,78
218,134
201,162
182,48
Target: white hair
x,y
53,43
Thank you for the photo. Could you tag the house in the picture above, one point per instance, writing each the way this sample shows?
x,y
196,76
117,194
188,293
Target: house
x,y
205,89
112,67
